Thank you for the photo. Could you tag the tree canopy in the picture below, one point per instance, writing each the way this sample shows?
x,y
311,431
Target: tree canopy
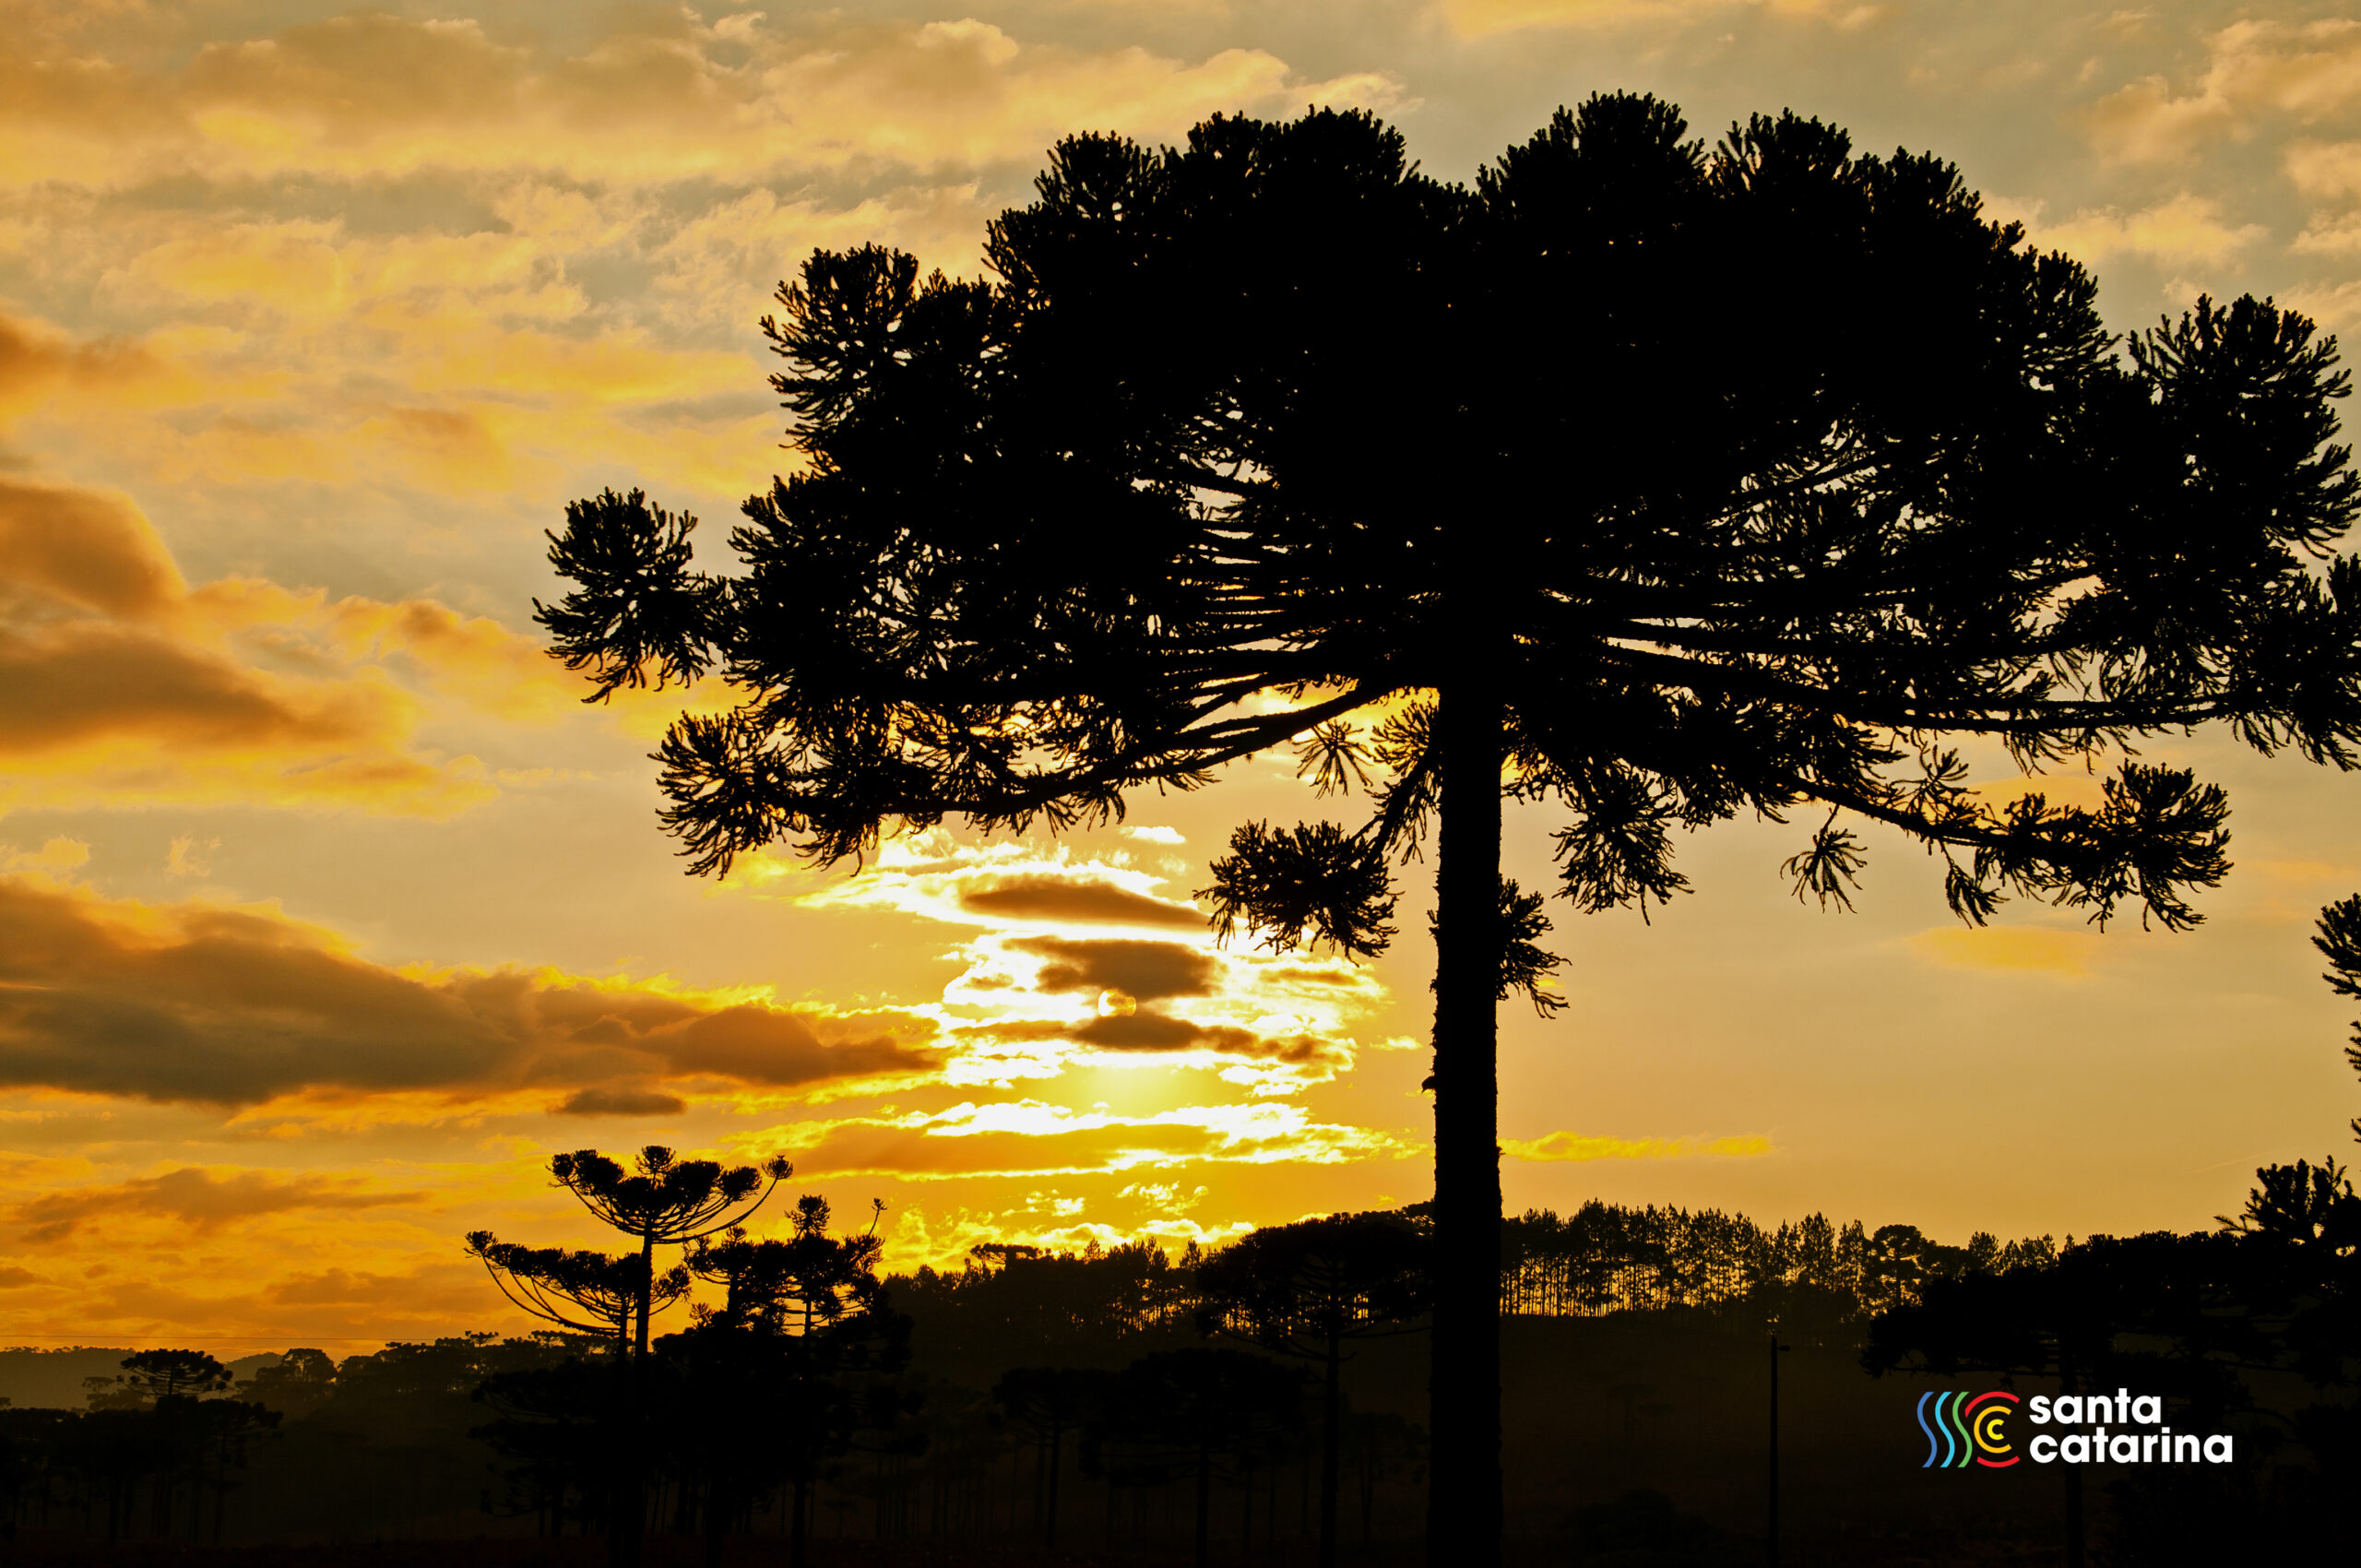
x,y
1654,481
1764,469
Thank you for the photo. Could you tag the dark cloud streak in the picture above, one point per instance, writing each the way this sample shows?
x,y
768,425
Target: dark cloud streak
x,y
1089,902
1146,971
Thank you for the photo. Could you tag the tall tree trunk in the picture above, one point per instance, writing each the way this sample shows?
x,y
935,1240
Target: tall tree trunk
x,y
1331,1421
1246,1511
630,1523
1464,1489
718,1505
647,1290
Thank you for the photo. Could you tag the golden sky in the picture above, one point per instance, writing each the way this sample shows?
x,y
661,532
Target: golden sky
x,y
326,912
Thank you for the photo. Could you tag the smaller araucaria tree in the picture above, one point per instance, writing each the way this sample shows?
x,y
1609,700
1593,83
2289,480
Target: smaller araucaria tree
x,y
666,1199
661,1198
797,1286
162,1374
790,1367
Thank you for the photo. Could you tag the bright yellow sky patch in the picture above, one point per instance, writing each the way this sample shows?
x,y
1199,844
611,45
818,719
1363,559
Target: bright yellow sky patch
x,y
2041,949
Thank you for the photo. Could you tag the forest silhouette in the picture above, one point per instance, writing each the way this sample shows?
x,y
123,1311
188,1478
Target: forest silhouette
x,y
1128,1404
1682,482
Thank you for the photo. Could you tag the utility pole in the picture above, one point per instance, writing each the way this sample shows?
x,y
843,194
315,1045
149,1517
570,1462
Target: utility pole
x,y
1777,1350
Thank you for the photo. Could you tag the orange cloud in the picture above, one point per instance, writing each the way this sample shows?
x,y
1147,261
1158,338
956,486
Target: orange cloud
x,y
1481,18
122,684
1079,899
198,1198
657,98
1146,971
620,1101
2186,231
36,364
485,349
1061,977
209,1005
2307,71
90,549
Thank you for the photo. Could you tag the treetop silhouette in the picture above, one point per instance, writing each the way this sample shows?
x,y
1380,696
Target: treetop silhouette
x,y
797,1286
660,1198
1654,481
663,1198
2301,1205
166,1375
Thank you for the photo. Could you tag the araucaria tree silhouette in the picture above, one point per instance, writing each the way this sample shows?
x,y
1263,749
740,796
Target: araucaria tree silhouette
x,y
168,1374
797,1286
1306,1290
785,1373
662,1199
1657,481
667,1200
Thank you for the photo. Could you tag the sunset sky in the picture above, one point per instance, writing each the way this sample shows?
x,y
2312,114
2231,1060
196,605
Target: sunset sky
x,y
327,912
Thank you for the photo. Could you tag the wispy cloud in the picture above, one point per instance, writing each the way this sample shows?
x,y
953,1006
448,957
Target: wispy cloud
x,y
200,1198
1031,1137
1565,1146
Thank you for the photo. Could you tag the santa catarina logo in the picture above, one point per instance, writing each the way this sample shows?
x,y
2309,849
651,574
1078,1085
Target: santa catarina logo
x,y
1968,1429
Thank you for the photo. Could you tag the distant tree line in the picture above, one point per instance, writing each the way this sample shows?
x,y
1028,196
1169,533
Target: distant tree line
x,y
151,1436
1607,1258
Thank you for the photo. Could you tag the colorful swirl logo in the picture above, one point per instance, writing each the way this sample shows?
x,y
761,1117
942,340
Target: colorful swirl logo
x,y
1964,1427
